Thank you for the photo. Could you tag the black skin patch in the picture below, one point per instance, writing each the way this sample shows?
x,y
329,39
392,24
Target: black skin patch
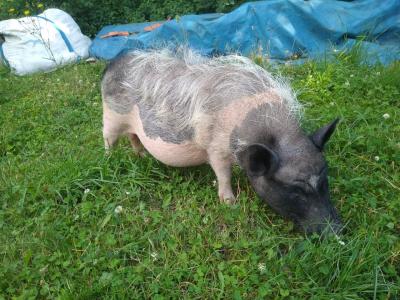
x,y
114,94
255,128
121,100
165,129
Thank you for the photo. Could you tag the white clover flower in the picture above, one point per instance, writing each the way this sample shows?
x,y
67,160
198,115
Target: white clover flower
x,y
386,116
339,240
118,209
332,103
376,158
261,267
128,193
44,269
86,191
378,73
154,255
351,75
347,83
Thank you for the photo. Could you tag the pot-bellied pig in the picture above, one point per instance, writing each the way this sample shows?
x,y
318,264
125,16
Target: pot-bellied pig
x,y
187,110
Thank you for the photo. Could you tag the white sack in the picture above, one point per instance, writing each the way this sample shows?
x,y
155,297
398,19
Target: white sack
x,y
34,44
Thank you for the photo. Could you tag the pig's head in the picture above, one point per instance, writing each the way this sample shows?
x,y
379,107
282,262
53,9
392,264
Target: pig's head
x,y
292,178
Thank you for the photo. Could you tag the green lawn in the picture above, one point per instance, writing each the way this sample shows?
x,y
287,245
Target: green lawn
x,y
62,237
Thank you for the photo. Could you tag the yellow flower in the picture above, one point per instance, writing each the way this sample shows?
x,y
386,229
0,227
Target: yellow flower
x,y
40,5
11,10
26,12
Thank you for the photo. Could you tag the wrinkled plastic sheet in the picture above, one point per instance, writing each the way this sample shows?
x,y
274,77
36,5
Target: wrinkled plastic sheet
x,y
280,29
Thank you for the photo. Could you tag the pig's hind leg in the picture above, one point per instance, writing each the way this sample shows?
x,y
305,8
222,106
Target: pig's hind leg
x,y
110,138
112,129
111,133
136,144
223,170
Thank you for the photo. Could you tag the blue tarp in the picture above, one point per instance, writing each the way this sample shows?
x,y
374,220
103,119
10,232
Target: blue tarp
x,y
280,29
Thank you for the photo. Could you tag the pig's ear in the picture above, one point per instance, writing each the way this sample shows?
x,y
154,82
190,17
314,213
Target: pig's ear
x,y
258,160
322,135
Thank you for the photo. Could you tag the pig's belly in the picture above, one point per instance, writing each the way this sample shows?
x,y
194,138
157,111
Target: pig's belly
x,y
178,155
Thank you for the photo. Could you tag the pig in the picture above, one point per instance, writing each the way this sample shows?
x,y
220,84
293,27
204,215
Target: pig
x,y
187,110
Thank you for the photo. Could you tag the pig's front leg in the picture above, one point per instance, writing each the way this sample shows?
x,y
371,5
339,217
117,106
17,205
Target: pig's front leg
x,y
223,169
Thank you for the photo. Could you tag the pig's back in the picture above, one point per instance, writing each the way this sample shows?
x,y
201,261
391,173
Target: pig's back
x,y
178,96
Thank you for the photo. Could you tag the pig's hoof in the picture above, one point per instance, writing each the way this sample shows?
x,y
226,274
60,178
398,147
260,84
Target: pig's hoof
x,y
141,153
227,199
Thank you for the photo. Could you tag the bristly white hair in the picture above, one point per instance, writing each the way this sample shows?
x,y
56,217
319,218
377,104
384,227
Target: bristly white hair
x,y
191,85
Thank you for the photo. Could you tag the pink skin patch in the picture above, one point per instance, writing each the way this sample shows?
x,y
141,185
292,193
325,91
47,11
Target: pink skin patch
x,y
177,155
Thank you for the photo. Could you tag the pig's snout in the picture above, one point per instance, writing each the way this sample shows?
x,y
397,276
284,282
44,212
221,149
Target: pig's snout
x,y
329,224
324,229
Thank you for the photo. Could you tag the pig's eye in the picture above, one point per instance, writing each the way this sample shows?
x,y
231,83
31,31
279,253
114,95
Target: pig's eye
x,y
297,195
299,190
303,186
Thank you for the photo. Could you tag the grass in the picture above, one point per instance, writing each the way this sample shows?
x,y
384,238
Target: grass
x,y
61,237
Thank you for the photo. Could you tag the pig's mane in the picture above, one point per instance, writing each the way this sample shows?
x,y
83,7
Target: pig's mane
x,y
191,85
